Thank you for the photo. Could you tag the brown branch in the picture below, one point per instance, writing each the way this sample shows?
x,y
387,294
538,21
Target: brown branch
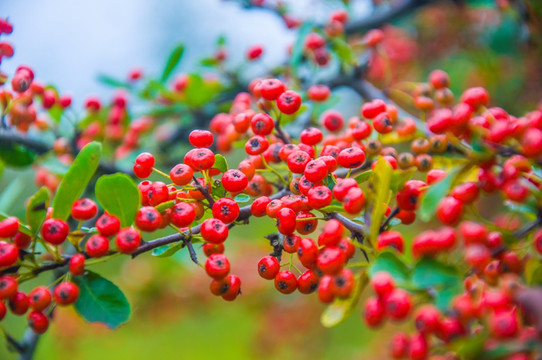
x,y
386,222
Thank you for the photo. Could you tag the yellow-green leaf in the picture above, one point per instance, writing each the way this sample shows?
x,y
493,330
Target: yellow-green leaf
x,y
340,309
36,208
381,187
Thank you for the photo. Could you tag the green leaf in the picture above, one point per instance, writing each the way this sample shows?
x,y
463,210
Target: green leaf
x,y
36,208
164,206
101,301
55,112
118,194
242,198
167,250
76,179
16,155
220,163
340,309
2,167
172,61
299,46
444,279
364,176
108,80
399,178
210,62
221,41
332,208
22,227
533,272
343,51
330,182
52,164
199,92
436,192
381,184
391,263
218,189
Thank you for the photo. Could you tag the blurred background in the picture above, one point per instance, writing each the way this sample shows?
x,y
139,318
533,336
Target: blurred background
x,y
70,43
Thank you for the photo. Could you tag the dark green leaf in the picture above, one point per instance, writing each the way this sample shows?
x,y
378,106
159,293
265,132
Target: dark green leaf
x,y
76,179
16,155
166,250
220,163
107,80
118,194
2,167
364,176
330,182
36,208
391,263
101,301
242,198
340,309
430,272
436,192
172,61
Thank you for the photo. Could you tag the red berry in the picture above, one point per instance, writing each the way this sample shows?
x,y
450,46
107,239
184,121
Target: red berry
x,y
342,187
398,304
108,225
291,242
383,284
331,260
259,206
332,120
311,136
200,138
285,282
289,102
77,264
254,52
307,252
143,165
354,201
332,233
382,123
66,293
325,294
256,145
418,348
351,157
210,249
19,303
374,312
271,89
392,239
38,322
475,97
297,161
9,254
54,231
97,246
158,193
319,197
8,287
371,109
200,159
449,210
466,192
400,344
427,319
148,219
343,283
504,324
316,170
234,180
531,142
318,93
9,227
233,284
128,240
268,267
307,282
286,221
182,214
217,266
226,210
305,227
40,298
181,174
214,231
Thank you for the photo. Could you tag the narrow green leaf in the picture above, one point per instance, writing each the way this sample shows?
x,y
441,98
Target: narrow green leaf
x,y
36,208
118,194
172,61
431,198
364,176
220,163
55,112
76,179
391,263
101,301
381,184
340,309
332,208
242,198
2,167
166,250
108,80
164,206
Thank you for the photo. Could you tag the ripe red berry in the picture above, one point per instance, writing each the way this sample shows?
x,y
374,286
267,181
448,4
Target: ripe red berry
x,y
182,214
311,136
332,233
54,231
143,165
466,192
307,282
19,303
351,157
272,88
201,138
8,287
200,159
371,109
77,264
40,298
38,322
262,124
214,231
449,210
318,93
226,210
217,266
332,120
9,227
427,319
398,304
307,252
158,193
291,242
392,239
354,201
148,219
475,97
342,187
286,221
305,227
343,283
316,170
9,254
128,240
256,145
210,249
531,142
400,344
181,174
234,180
289,102
97,246
418,348
374,312
285,282
66,293
382,123
268,267
331,260
319,197
297,161
108,225
22,240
